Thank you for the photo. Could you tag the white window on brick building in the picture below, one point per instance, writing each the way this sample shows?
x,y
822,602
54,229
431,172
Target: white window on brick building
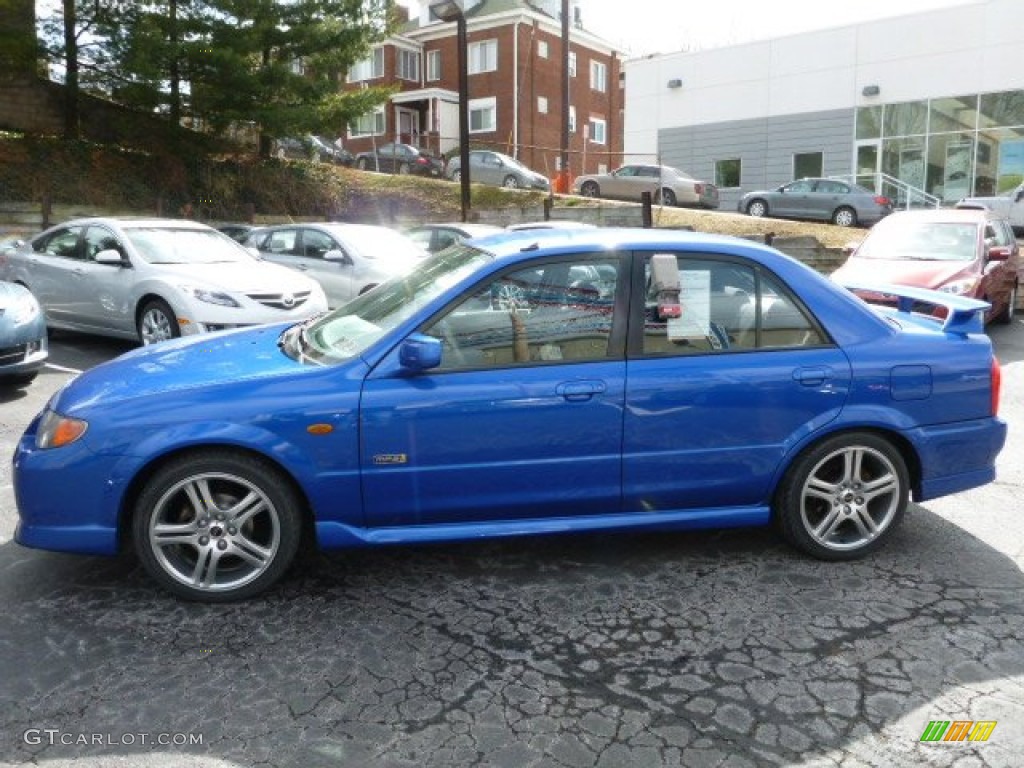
x,y
369,68
542,48
572,119
370,124
598,76
598,130
483,56
433,65
572,64
542,105
483,115
408,65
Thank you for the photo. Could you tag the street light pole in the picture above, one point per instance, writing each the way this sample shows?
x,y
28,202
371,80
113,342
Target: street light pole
x,y
452,10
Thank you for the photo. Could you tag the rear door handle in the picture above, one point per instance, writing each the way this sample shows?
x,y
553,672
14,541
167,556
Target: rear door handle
x,y
814,376
580,391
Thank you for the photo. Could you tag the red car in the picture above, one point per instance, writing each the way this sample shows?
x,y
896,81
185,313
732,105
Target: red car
x,y
970,253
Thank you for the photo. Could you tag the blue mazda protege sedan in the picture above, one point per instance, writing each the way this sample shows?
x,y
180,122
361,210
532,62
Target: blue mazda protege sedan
x,y
522,383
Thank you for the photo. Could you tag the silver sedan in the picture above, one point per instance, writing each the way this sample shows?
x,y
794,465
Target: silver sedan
x,y
154,279
23,343
667,186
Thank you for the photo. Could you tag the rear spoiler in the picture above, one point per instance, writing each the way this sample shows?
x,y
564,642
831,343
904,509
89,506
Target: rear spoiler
x,y
963,315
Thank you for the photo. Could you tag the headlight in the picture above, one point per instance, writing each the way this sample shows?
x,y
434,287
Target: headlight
x,y
56,430
960,287
25,310
219,298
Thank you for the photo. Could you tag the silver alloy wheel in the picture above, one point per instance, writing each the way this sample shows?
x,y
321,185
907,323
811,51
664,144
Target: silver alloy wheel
x,y
850,498
757,208
511,182
155,325
214,532
844,217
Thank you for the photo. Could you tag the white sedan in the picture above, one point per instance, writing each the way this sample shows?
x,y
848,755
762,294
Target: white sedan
x,y
154,279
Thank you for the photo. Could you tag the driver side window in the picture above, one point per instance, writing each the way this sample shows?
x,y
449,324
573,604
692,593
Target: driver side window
x,y
558,312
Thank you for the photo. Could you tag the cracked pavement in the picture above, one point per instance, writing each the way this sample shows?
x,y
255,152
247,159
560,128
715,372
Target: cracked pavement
x,y
722,648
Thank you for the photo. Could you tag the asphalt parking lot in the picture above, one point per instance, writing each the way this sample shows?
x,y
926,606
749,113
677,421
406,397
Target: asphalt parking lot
x,y
691,649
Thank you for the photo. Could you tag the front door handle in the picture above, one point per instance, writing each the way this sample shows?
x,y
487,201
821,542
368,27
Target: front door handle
x,y
580,391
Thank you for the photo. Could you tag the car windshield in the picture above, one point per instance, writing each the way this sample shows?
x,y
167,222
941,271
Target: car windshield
x,y
382,243
922,241
351,329
158,245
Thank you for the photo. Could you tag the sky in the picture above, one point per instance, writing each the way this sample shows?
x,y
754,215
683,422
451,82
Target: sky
x,y
641,27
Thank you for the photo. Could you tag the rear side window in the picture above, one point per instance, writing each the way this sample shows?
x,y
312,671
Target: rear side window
x,y
724,306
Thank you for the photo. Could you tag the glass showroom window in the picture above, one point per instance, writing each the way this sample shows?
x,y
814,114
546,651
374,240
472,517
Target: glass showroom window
x,y
433,65
727,173
369,68
598,130
807,164
483,115
483,56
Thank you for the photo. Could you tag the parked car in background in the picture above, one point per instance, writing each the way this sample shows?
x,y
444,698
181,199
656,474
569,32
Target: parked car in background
x,y
437,237
400,158
1009,204
710,381
843,204
964,252
487,167
237,232
346,259
154,279
667,185
318,149
23,342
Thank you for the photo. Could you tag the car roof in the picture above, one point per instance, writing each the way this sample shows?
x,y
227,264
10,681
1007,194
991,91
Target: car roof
x,y
130,222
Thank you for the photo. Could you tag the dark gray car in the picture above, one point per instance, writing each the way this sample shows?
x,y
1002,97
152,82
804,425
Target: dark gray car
x,y
843,204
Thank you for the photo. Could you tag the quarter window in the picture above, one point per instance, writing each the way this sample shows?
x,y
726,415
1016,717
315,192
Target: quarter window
x,y
558,312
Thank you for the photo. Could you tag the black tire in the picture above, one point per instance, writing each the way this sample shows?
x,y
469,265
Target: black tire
x,y
183,530
757,207
843,497
18,381
1009,312
590,189
157,322
362,164
844,216
665,197
510,182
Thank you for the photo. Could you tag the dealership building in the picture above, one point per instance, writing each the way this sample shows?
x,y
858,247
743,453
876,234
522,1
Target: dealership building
x,y
925,107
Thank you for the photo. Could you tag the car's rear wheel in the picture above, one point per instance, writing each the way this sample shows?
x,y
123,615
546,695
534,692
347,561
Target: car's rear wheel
x,y
362,164
157,322
844,217
404,169
456,175
590,189
510,182
843,497
665,197
1010,311
757,208
217,526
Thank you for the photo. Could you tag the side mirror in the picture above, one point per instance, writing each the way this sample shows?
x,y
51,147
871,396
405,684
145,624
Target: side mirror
x,y
999,253
420,352
336,254
109,256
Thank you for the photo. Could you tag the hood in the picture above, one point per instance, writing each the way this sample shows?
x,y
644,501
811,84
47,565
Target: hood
x,y
923,274
239,277
181,364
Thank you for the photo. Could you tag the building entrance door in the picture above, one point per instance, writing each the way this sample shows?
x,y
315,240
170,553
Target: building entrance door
x,y
869,165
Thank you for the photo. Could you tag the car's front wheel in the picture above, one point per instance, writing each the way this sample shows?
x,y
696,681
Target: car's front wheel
x,y
510,182
217,526
1010,311
844,496
157,322
757,208
456,175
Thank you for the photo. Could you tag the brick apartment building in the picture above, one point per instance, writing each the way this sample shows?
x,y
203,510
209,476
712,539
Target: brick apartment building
x,y
515,65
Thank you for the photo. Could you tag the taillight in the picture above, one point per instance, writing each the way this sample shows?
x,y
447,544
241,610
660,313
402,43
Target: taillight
x,y
698,188
881,200
997,385
422,160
